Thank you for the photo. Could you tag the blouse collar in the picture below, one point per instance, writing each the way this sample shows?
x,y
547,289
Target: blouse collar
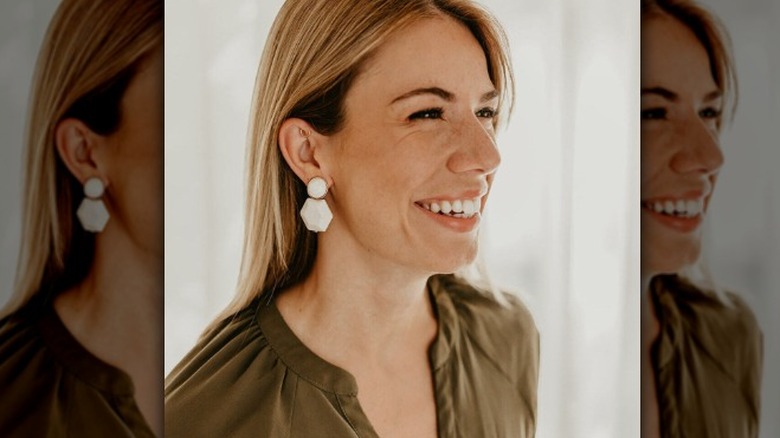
x,y
331,378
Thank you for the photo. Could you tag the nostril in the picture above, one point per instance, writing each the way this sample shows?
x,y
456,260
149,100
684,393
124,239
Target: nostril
x,y
702,155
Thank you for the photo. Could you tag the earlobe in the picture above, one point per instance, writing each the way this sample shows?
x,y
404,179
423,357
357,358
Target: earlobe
x,y
75,144
297,142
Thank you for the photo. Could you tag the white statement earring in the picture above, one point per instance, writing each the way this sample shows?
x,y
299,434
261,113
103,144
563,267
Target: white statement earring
x,y
315,213
92,212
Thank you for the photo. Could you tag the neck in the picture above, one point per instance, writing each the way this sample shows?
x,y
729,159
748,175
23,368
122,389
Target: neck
x,y
119,301
376,307
116,314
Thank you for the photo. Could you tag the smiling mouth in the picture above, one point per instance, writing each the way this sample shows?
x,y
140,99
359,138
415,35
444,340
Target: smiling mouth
x,y
459,208
679,208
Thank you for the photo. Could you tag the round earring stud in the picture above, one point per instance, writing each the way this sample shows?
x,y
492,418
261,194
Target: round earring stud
x,y
317,187
94,188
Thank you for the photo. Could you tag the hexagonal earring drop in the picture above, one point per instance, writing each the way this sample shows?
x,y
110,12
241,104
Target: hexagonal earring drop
x,y
315,213
92,212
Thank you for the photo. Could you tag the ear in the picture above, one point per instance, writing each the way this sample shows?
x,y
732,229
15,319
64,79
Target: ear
x,y
77,146
299,142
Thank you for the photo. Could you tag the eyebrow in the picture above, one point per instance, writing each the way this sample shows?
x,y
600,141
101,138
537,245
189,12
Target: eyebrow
x,y
444,94
674,97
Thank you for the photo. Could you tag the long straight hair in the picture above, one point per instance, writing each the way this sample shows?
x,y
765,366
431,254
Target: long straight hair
x,y
89,55
314,51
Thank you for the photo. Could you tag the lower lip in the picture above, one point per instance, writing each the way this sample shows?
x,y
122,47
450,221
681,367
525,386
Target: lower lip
x,y
460,225
682,224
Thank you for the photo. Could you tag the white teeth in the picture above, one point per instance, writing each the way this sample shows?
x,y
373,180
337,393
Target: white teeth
x,y
468,208
461,208
457,206
692,207
680,207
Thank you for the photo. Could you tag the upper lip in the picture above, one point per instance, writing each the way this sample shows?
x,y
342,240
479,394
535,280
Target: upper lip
x,y
685,195
465,194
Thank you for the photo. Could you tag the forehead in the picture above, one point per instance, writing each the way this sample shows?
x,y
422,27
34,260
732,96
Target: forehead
x,y
432,51
674,58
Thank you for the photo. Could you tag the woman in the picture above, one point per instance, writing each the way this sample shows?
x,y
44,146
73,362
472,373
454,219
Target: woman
x,y
701,348
80,342
372,153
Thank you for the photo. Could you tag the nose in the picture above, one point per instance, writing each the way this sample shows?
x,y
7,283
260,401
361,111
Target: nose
x,y
700,150
476,149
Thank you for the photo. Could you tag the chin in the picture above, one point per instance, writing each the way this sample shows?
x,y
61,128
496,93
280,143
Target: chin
x,y
447,261
667,251
668,256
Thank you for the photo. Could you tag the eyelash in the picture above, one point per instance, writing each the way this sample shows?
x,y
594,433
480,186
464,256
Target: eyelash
x,y
710,113
491,113
430,113
437,113
653,114
660,113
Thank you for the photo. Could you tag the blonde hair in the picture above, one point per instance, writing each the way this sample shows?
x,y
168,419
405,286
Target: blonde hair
x,y
314,52
90,53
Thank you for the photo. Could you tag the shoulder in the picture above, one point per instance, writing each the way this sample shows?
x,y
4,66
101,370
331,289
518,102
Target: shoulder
x,y
500,328
724,326
724,321
728,330
723,315
732,319
231,365
216,351
28,374
20,341
740,336
481,310
45,372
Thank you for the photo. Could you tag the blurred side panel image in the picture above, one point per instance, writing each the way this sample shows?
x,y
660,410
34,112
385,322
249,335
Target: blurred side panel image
x,y
81,235
710,203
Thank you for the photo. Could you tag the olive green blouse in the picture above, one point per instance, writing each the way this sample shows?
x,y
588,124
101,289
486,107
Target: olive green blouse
x,y
707,362
252,377
51,386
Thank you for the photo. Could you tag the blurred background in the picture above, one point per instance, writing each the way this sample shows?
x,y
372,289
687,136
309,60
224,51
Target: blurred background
x,y
561,228
742,245
22,27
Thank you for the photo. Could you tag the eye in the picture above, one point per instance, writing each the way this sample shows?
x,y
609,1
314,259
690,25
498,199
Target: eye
x,y
710,113
430,113
486,113
654,114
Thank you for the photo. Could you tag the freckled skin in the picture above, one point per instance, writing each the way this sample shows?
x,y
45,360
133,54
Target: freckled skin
x,y
384,161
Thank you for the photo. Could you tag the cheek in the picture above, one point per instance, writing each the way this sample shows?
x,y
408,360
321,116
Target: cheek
x,y
136,174
655,152
391,167
141,162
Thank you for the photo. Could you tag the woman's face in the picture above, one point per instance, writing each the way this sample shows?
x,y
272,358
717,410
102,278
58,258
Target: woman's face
x,y
134,159
681,156
418,138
